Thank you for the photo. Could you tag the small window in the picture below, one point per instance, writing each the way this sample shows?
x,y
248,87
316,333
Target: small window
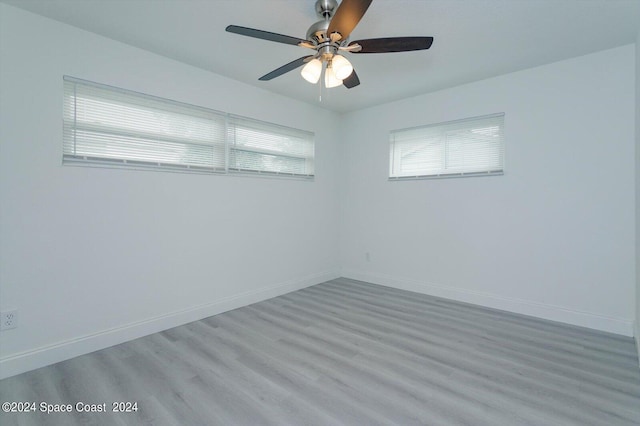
x,y
469,147
107,126
255,146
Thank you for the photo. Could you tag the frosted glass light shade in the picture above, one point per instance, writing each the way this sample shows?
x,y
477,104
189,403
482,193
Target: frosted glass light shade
x,y
341,67
330,79
312,71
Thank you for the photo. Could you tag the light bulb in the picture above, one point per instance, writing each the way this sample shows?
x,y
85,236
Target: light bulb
x,y
312,71
330,79
341,66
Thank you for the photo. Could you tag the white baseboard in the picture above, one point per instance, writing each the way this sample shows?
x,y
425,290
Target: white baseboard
x,y
519,306
51,354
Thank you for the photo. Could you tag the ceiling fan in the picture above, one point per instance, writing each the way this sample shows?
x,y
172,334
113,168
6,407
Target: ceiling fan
x,y
329,37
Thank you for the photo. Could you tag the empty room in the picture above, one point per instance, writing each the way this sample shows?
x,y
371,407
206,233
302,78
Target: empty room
x,y
332,212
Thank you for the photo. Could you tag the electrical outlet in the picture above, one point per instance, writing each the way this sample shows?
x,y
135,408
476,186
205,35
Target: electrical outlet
x,y
8,319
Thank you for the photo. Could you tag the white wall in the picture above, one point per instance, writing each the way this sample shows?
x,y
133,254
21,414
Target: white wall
x,y
92,257
551,238
637,194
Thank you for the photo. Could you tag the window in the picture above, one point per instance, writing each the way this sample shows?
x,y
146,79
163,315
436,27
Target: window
x,y
469,147
255,146
104,125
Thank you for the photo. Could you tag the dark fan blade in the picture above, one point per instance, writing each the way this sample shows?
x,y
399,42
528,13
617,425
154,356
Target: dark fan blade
x,y
286,68
347,17
264,35
393,44
351,81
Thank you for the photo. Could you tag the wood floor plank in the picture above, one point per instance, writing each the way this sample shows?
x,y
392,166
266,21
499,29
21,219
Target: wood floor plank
x,y
489,351
612,372
349,352
451,356
553,330
415,367
489,320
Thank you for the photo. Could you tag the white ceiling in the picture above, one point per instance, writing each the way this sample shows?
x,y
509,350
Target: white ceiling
x,y
474,39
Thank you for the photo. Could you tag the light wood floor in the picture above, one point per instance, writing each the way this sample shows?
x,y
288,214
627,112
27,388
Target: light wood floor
x,y
349,352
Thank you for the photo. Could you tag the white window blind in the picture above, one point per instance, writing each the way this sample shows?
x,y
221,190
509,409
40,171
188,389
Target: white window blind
x,y
255,146
468,147
104,125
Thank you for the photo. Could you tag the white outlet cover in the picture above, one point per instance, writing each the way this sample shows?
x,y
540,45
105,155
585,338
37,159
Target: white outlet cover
x,y
8,319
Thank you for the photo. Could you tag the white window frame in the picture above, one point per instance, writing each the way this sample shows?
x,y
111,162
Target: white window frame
x,y
481,155
195,140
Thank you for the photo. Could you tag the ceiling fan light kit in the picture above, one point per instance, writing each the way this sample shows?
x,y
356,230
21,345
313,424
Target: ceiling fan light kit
x,y
312,71
329,36
341,66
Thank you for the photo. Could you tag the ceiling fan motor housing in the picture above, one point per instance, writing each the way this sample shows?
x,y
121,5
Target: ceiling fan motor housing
x,y
317,33
326,8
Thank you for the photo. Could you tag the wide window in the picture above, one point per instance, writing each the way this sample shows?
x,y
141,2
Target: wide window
x,y
469,147
104,125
